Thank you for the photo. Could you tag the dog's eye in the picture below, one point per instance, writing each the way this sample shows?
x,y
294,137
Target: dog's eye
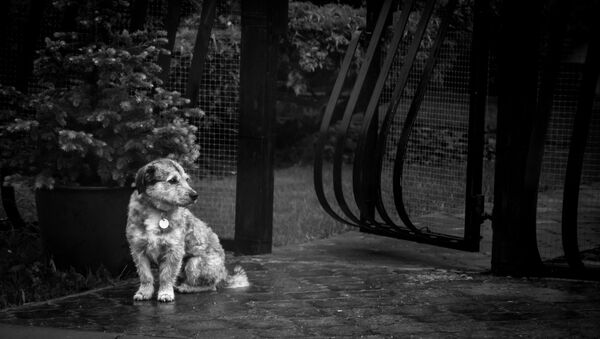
x,y
173,181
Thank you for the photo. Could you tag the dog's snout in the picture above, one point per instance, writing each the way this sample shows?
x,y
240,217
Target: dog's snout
x,y
194,196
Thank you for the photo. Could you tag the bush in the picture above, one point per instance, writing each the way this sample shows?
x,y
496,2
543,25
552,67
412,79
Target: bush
x,y
317,40
99,112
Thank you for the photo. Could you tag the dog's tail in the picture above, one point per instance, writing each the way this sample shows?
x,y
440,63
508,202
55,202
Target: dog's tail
x,y
238,279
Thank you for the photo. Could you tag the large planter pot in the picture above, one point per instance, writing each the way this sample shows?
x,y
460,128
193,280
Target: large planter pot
x,y
84,227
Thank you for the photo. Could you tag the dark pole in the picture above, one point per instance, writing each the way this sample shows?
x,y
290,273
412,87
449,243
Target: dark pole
x,y
474,204
263,25
514,245
139,11
171,23
207,19
31,38
579,139
368,211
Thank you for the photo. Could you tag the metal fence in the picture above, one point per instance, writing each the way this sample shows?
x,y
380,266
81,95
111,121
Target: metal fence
x,y
214,178
435,169
218,98
434,173
420,150
554,165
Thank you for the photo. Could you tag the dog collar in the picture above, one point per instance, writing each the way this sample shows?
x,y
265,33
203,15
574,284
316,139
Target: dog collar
x,y
163,223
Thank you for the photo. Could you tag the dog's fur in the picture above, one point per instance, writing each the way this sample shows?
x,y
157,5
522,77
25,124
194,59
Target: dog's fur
x,y
188,253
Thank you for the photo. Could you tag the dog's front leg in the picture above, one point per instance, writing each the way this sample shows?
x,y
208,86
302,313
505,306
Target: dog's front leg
x,y
146,279
169,268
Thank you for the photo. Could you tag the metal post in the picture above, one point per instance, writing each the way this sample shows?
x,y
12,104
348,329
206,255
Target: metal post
x,y
263,24
207,19
172,24
139,11
478,91
514,245
367,212
579,139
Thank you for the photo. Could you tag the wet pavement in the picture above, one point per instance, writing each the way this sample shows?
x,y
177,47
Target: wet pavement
x,y
351,285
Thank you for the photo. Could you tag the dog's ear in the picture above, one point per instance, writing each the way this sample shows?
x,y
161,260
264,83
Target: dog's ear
x,y
144,176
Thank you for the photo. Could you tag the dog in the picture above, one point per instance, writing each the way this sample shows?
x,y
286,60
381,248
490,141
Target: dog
x,y
162,231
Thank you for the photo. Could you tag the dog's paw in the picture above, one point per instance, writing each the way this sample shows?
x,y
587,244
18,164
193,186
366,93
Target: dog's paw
x,y
144,292
166,295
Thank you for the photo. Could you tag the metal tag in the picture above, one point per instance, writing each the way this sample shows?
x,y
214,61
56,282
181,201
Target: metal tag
x,y
163,223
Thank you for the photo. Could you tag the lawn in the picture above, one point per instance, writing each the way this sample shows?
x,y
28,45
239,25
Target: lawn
x,y
297,215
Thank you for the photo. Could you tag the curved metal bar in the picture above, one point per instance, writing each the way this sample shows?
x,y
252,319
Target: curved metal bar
x,y
139,11
354,95
360,191
479,58
393,108
367,221
171,20
581,127
557,19
325,124
412,114
201,45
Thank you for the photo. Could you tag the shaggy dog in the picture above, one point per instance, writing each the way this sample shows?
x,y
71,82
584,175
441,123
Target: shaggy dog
x,y
161,231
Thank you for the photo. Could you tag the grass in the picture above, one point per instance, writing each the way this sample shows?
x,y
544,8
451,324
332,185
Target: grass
x,y
297,214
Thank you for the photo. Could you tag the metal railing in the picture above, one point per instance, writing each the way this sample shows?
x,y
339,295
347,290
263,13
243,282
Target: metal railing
x,y
374,139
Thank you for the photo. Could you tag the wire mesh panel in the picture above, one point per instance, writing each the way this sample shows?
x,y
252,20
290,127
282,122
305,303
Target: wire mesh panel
x,y
556,151
214,178
409,180
218,96
435,166
554,164
588,213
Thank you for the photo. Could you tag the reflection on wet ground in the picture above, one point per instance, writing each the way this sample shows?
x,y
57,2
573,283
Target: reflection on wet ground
x,y
349,285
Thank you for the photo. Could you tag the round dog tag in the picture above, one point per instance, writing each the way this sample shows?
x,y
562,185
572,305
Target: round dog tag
x,y
163,223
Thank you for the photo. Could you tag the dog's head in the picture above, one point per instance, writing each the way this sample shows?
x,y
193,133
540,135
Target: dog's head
x,y
165,182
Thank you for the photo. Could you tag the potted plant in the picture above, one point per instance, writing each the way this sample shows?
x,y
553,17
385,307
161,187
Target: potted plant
x,y
100,114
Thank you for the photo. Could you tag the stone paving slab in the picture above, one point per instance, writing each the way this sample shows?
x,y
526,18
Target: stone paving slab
x,y
350,285
21,332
